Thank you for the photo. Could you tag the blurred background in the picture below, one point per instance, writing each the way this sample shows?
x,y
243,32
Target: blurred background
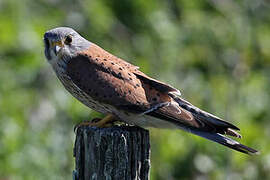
x,y
216,52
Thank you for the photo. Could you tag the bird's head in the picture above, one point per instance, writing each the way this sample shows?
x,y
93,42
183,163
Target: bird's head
x,y
63,43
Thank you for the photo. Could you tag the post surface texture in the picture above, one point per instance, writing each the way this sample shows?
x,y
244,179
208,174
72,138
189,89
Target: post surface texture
x,y
118,152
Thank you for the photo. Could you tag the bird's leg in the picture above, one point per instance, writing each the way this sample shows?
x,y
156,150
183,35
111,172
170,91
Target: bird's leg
x,y
107,121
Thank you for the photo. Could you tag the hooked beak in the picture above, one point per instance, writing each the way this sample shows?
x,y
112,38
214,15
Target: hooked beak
x,y
55,46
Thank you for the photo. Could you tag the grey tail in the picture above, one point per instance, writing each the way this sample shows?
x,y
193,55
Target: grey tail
x,y
221,139
212,127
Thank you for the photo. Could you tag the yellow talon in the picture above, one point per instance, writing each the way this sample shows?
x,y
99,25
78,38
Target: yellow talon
x,y
107,121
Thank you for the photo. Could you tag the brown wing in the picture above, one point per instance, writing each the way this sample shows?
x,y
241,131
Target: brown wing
x,y
160,86
111,80
104,80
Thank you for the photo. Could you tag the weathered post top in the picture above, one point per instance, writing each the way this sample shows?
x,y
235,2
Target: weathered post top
x,y
118,152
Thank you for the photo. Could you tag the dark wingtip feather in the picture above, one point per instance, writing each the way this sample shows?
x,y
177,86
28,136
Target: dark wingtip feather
x,y
229,124
221,139
247,150
203,116
241,148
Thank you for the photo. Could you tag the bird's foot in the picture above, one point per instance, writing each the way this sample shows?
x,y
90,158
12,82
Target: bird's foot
x,y
107,121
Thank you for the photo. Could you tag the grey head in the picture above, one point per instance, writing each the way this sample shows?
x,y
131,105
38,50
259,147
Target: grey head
x,y
63,43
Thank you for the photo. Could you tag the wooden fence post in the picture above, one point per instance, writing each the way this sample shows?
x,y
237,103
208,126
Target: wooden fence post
x,y
118,152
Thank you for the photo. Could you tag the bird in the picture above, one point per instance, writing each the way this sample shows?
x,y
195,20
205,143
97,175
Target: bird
x,y
118,89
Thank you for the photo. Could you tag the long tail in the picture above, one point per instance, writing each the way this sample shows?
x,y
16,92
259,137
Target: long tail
x,y
221,139
213,128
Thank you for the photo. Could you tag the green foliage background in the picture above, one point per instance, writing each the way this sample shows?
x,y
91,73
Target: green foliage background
x,y
216,52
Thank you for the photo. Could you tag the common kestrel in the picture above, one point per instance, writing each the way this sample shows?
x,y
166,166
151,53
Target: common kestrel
x,y
120,90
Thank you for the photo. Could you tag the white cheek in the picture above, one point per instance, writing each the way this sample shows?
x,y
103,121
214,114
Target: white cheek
x,y
69,51
60,59
53,59
64,51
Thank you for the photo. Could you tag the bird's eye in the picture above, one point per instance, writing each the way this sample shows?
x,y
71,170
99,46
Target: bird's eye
x,y
68,40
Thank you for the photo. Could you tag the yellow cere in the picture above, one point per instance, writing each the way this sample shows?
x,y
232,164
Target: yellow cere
x,y
58,43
